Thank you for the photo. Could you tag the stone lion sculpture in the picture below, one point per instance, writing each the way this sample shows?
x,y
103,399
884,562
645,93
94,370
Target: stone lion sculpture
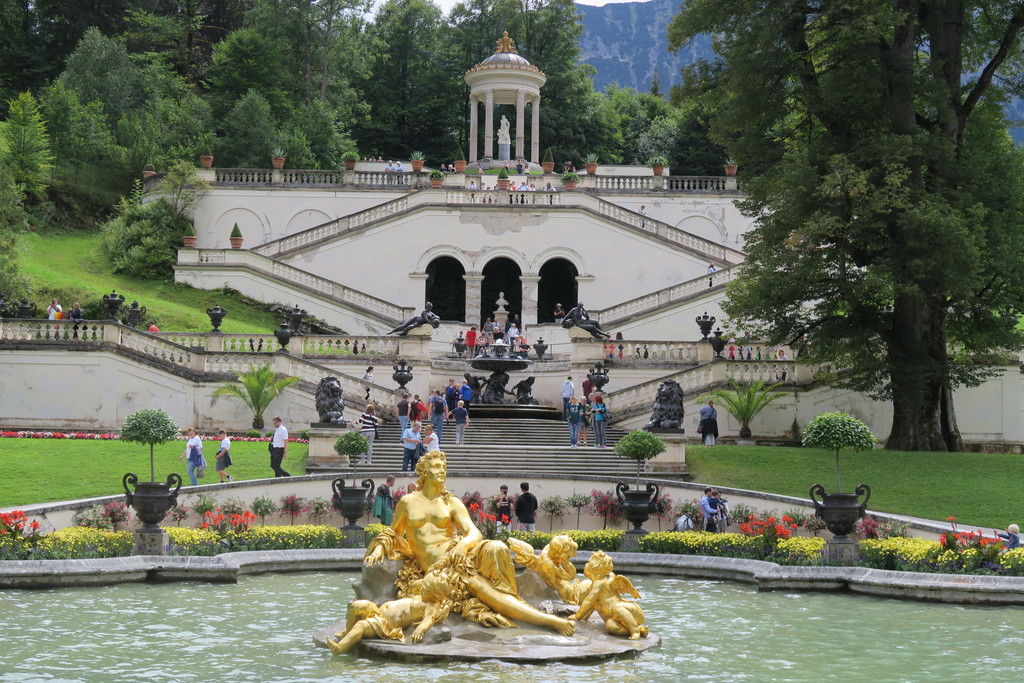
x,y
330,400
668,407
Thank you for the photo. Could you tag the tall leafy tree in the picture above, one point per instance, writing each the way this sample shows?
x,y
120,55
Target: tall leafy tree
x,y
101,70
12,223
250,133
27,145
888,192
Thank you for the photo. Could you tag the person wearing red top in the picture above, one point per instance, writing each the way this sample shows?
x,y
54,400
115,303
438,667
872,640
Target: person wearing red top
x,y
471,339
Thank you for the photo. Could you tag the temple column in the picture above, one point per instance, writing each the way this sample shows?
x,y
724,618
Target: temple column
x,y
474,287
520,122
489,124
530,284
474,128
535,131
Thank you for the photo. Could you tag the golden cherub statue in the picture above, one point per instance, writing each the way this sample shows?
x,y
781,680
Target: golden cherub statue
x,y
428,606
554,565
432,532
621,617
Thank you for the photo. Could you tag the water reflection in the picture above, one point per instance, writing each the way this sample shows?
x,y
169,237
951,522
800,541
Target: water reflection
x,y
260,630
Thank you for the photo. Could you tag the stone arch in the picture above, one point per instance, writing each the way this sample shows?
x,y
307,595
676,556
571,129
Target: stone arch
x,y
557,285
255,227
565,253
446,288
704,226
501,275
305,218
439,250
488,254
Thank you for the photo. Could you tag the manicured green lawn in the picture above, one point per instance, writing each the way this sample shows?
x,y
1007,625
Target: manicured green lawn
x,y
976,488
44,470
72,265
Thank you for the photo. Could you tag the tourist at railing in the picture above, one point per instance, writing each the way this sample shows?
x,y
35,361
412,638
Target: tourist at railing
x,y
600,419
368,377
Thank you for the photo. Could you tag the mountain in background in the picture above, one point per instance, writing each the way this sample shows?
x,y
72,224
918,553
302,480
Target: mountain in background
x,y
628,44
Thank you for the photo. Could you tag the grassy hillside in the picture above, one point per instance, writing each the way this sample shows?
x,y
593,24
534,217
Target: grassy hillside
x,y
72,267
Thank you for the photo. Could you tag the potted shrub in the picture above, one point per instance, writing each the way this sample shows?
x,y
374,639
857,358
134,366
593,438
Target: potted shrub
x,y
730,167
590,163
569,180
148,171
189,238
745,401
416,160
151,499
460,161
277,157
352,501
834,432
206,144
436,178
658,164
236,237
503,179
639,446
548,163
349,160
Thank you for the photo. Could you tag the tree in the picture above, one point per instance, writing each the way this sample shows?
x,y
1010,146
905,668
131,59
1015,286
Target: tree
x,y
257,389
745,401
836,431
12,223
250,133
149,427
639,446
101,70
887,191
28,146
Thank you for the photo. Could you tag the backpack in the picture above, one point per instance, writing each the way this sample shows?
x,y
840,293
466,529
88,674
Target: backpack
x,y
414,411
437,405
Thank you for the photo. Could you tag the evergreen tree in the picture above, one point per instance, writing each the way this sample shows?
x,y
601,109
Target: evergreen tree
x,y
887,191
250,133
12,223
27,145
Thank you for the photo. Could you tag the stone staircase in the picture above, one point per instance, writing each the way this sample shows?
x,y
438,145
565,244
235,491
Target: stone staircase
x,y
527,445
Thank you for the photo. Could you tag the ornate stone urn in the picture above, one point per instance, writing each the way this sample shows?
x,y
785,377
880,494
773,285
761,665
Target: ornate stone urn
x,y
151,499
705,323
598,376
638,504
216,316
26,308
284,335
717,343
113,303
135,314
402,374
841,511
295,319
352,501
540,347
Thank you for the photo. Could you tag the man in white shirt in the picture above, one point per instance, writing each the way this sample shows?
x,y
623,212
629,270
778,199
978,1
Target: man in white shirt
x,y
224,457
568,391
279,448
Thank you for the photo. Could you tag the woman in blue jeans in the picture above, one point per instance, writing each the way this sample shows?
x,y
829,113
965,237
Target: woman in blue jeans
x,y
599,416
573,418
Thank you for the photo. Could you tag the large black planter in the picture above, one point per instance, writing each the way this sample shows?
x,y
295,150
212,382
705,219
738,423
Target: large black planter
x,y
402,375
841,511
151,499
352,501
638,505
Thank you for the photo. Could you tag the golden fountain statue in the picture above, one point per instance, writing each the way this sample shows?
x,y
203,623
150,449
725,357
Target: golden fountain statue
x,y
448,567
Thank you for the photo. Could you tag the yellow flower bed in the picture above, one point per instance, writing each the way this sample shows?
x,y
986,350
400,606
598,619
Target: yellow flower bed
x,y
802,548
82,542
899,552
194,541
291,537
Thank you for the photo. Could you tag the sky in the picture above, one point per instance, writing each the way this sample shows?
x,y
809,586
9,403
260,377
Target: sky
x,y
447,5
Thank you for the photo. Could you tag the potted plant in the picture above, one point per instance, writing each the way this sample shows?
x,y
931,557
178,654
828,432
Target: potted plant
x,y
639,446
277,157
730,167
416,160
236,237
569,180
460,161
658,164
503,179
834,432
548,163
189,238
151,499
590,163
349,159
745,401
148,171
436,178
352,501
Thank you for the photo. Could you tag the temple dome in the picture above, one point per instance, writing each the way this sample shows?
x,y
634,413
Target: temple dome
x,y
506,58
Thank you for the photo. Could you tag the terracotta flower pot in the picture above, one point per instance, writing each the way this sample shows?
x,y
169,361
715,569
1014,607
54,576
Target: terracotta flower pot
x,y
730,169
503,183
417,165
436,182
206,160
277,162
460,166
658,170
350,165
569,185
189,241
236,242
591,169
548,166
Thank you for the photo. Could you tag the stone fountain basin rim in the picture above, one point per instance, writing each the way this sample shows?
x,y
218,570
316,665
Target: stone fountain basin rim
x,y
227,567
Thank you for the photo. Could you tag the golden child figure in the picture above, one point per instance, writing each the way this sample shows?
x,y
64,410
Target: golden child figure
x,y
621,617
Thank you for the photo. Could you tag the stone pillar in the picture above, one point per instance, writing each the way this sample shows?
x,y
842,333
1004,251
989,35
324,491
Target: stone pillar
x,y
520,122
474,285
474,129
674,457
489,124
530,284
535,131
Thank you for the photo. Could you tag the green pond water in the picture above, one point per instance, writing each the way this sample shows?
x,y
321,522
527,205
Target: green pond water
x,y
260,629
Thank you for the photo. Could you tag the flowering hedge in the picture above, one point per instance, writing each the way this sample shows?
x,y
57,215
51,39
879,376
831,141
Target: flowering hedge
x,y
113,436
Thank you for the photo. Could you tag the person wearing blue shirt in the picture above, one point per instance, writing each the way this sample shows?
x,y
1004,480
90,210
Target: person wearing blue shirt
x,y
411,441
1012,537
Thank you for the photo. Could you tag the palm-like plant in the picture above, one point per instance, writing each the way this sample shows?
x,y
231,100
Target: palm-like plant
x,y
745,401
256,388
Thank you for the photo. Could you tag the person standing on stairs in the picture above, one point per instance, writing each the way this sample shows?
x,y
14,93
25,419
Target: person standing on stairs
x,y
461,417
403,413
438,412
568,391
600,418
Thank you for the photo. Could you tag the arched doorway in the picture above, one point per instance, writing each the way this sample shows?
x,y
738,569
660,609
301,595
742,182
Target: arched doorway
x,y
557,286
501,275
446,288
